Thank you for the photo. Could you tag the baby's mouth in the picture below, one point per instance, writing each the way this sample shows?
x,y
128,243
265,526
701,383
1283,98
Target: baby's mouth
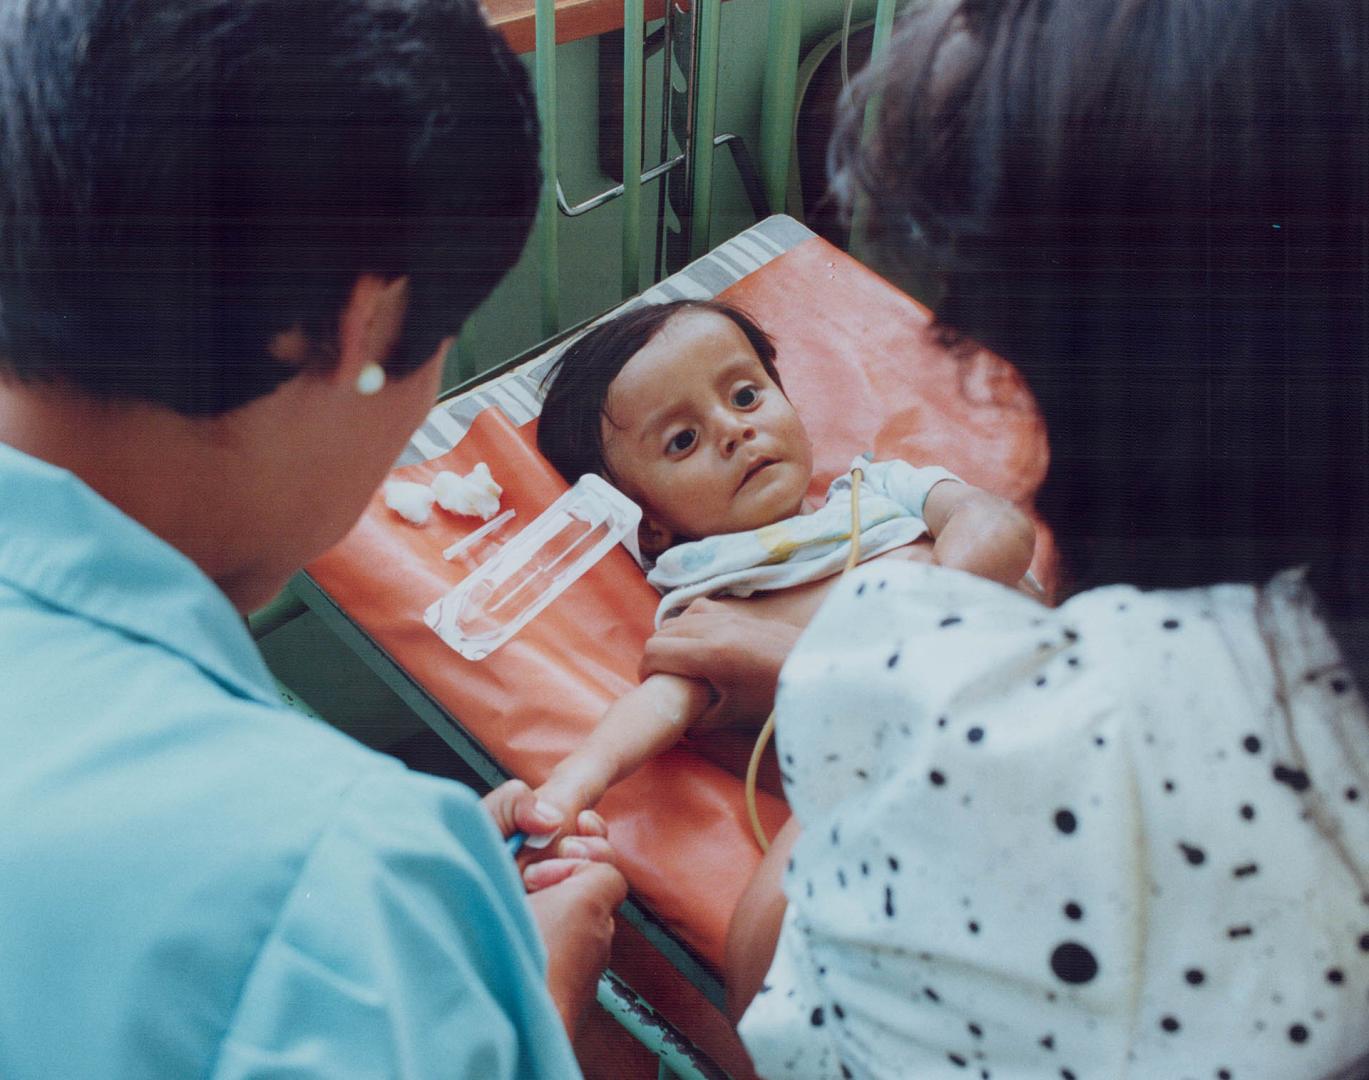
x,y
763,463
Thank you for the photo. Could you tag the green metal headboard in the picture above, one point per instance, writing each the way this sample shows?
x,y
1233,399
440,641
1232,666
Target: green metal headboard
x,y
776,136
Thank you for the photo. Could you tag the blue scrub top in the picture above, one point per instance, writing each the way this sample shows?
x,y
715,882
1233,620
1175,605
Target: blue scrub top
x,y
196,881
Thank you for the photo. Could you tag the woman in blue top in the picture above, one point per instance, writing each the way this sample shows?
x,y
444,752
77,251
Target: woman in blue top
x,y
234,236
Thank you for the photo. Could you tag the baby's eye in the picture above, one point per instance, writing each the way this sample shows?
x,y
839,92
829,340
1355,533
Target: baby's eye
x,y
680,442
746,396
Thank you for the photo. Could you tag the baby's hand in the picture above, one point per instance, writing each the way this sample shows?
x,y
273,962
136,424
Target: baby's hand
x,y
575,785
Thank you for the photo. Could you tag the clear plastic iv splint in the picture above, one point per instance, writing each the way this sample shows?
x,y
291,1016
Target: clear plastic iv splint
x,y
530,571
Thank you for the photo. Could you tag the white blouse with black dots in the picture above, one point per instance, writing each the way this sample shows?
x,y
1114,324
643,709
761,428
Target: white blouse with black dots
x,y
1125,837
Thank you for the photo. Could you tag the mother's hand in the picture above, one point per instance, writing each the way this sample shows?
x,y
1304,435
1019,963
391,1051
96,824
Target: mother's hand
x,y
738,653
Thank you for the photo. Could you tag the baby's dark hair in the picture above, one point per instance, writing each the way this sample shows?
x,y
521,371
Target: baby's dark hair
x,y
569,433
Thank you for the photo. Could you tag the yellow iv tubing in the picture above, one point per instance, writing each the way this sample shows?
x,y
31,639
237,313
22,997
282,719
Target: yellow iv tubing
x,y
768,729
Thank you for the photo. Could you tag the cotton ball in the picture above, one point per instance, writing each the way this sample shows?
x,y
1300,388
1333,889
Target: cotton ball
x,y
412,502
474,495
481,478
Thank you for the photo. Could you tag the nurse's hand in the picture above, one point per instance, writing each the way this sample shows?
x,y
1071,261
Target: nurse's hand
x,y
739,654
588,843
575,919
516,808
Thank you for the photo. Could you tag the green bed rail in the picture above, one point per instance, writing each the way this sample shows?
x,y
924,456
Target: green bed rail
x,y
544,81
884,25
763,188
633,107
778,99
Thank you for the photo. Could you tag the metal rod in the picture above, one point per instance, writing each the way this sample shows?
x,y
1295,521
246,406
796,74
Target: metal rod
x,y
705,120
777,102
654,173
884,25
464,354
746,170
294,702
285,608
609,194
678,1057
680,195
667,54
545,82
634,16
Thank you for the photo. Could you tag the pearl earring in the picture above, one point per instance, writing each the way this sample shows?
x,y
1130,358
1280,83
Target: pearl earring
x,y
371,380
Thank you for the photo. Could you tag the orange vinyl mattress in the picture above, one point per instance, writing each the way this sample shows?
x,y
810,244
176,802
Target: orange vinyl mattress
x,y
865,373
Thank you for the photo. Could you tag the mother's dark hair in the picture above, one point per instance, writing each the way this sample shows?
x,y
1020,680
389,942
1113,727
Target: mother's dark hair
x,y
179,182
1157,210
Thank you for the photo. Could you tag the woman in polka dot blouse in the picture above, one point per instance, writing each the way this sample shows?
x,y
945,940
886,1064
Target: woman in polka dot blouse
x,y
1127,836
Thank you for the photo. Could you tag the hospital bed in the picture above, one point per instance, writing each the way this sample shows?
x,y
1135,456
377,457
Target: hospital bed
x,y
866,371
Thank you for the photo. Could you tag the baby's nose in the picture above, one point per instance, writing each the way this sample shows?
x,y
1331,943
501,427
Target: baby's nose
x,y
738,434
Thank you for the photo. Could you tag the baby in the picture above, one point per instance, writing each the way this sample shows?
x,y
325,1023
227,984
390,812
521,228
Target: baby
x,y
680,406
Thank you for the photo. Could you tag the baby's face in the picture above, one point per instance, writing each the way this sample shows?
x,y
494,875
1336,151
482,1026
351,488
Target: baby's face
x,y
700,436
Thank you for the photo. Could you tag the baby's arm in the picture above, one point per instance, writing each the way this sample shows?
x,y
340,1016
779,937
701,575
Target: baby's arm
x,y
644,722
978,532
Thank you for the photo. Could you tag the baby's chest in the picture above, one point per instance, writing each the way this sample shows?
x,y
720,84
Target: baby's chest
x,y
797,604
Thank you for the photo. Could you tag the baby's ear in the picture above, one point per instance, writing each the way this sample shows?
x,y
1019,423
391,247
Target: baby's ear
x,y
653,537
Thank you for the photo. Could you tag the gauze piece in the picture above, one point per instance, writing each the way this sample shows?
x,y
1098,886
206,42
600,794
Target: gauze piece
x,y
413,502
474,495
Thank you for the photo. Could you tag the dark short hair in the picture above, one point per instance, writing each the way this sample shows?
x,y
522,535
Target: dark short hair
x,y
570,431
181,181
1157,210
